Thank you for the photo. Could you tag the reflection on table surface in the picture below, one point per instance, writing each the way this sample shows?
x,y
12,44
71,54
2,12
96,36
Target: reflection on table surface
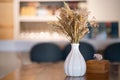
x,y
90,76
75,78
55,71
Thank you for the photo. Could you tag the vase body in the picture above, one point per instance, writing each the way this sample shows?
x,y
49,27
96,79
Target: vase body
x,y
75,64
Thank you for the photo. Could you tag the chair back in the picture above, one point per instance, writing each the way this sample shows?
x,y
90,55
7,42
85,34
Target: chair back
x,y
46,52
112,52
86,49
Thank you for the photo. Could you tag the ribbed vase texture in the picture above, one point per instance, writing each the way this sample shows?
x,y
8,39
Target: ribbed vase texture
x,y
75,64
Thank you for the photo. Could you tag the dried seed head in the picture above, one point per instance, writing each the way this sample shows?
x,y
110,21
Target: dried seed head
x,y
74,23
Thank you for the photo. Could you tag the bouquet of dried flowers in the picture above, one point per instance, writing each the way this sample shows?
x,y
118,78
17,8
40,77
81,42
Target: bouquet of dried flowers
x,y
73,23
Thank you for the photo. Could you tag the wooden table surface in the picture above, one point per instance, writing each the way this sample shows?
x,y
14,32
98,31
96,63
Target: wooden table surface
x,y
55,71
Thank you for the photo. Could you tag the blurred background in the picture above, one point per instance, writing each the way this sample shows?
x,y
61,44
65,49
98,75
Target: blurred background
x,y
26,20
24,23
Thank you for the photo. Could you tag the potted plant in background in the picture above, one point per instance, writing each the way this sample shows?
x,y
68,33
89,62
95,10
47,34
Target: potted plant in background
x,y
74,25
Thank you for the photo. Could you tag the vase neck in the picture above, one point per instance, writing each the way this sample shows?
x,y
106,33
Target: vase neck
x,y
75,44
75,48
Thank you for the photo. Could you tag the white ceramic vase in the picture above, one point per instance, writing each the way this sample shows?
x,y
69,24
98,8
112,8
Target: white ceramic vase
x,y
75,64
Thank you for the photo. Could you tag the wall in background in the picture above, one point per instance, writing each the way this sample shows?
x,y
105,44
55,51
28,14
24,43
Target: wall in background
x,y
105,10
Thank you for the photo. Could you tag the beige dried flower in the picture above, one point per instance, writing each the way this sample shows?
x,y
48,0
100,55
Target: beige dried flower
x,y
73,23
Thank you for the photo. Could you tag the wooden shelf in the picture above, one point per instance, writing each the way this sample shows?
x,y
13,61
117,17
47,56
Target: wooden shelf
x,y
37,18
1,1
26,20
4,31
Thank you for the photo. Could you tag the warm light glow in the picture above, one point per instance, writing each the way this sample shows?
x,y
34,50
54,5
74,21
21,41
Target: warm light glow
x,y
42,36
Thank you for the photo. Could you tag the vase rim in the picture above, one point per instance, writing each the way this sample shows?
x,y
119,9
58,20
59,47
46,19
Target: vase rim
x,y
74,43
